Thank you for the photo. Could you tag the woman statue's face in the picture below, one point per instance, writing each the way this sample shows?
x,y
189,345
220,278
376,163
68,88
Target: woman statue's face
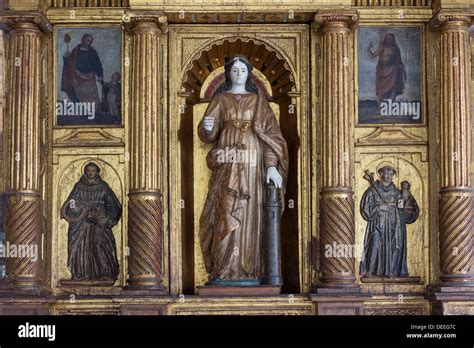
x,y
239,74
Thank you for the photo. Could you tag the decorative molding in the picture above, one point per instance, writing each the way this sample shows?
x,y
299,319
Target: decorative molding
x,y
388,136
466,308
88,3
88,138
251,17
392,3
280,72
394,311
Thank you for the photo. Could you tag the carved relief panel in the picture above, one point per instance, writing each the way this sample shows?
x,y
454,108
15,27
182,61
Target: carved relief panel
x,y
69,167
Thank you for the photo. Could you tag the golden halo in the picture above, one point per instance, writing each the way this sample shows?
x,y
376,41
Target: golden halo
x,y
387,164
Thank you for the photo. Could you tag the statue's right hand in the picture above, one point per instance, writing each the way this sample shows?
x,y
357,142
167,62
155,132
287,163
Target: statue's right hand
x,y
208,123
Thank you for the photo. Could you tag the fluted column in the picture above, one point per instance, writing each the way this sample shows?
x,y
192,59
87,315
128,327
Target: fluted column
x,y
456,203
145,212
24,218
336,196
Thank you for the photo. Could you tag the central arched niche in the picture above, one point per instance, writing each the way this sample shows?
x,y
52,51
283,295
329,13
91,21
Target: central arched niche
x,y
205,73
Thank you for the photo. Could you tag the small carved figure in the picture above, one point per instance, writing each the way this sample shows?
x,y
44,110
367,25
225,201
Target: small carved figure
x,y
92,209
387,211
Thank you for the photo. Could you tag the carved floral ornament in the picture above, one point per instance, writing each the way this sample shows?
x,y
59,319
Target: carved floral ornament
x,y
263,57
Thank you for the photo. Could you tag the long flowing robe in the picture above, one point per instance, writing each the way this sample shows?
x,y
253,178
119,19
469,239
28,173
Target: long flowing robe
x,y
78,78
390,73
385,243
92,209
231,222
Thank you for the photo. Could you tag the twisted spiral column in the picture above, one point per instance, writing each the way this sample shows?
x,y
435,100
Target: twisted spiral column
x,y
24,218
456,203
337,226
145,215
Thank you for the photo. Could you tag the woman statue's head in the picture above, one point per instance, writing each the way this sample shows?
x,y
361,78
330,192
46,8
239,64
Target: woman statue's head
x,y
238,71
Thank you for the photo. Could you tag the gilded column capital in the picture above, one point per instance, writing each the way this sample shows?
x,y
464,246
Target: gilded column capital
x,y
138,22
336,20
25,20
449,19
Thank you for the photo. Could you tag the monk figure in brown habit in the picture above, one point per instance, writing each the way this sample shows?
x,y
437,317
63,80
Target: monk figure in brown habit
x,y
92,209
249,150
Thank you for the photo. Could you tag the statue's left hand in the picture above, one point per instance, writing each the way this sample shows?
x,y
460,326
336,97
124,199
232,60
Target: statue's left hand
x,y
273,175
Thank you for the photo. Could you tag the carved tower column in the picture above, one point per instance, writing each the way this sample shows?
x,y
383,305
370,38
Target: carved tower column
x,y
337,203
145,212
456,203
24,218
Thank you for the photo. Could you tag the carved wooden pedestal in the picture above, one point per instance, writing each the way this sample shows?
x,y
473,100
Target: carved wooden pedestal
x,y
239,290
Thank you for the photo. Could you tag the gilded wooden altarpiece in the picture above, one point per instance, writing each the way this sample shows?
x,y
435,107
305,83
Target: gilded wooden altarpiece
x,y
305,55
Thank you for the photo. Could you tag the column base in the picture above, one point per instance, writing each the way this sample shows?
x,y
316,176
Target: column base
x,y
337,284
17,288
329,289
138,309
144,287
456,280
338,303
451,300
209,290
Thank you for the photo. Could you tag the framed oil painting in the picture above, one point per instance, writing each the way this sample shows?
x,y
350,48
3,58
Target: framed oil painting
x,y
88,76
390,89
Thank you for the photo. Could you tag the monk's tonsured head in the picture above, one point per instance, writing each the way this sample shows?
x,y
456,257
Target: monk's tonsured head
x,y
91,170
386,173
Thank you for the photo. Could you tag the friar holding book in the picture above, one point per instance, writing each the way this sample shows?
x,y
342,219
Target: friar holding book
x,y
92,210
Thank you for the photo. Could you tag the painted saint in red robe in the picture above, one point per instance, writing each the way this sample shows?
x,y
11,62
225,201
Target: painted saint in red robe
x,y
81,67
390,73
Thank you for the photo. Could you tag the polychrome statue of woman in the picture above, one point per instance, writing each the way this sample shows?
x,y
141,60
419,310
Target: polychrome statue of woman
x,y
249,150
